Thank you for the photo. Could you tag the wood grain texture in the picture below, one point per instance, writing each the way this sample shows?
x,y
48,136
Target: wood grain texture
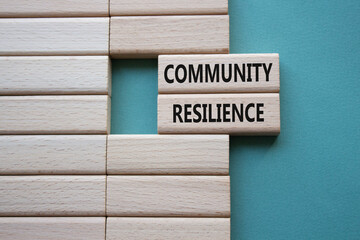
x,y
167,228
54,114
54,36
55,75
162,196
54,8
52,195
205,113
168,154
137,37
167,7
44,228
53,154
219,73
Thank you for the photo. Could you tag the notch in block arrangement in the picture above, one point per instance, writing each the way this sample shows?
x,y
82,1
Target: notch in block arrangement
x,y
219,73
234,114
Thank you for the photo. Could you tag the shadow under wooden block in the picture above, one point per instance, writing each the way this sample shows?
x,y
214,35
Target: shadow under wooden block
x,y
54,114
148,37
165,196
54,8
69,228
52,154
54,36
219,73
55,75
168,154
234,114
167,228
167,7
52,195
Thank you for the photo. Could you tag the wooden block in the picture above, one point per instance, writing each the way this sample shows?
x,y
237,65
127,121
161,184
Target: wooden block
x,y
55,75
54,36
167,7
54,8
219,73
168,154
52,195
54,114
167,228
53,154
162,196
41,228
150,36
238,114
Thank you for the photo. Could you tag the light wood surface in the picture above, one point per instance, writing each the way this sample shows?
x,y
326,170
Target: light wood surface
x,y
167,228
54,36
55,75
168,154
54,8
150,36
219,73
52,195
54,114
246,114
53,154
54,228
167,7
168,196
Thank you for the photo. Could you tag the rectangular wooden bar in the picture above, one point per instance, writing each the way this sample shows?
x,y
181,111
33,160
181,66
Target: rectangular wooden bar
x,y
168,154
53,154
147,37
167,7
55,75
52,195
164,196
54,8
54,36
219,73
41,228
167,228
54,114
236,114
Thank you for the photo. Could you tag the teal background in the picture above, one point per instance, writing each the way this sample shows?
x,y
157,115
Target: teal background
x,y
305,183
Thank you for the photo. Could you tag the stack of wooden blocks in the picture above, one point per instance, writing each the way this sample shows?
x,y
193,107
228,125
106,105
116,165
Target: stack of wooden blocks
x,y
64,177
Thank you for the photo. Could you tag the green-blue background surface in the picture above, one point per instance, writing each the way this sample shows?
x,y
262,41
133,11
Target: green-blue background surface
x,y
304,184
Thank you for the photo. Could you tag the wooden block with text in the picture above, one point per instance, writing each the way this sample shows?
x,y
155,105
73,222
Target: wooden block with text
x,y
54,8
150,36
167,7
168,154
219,73
168,196
167,228
52,154
40,228
54,114
52,195
236,114
54,36
55,75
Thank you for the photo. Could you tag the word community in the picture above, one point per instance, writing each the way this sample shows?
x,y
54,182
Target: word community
x,y
225,112
216,73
